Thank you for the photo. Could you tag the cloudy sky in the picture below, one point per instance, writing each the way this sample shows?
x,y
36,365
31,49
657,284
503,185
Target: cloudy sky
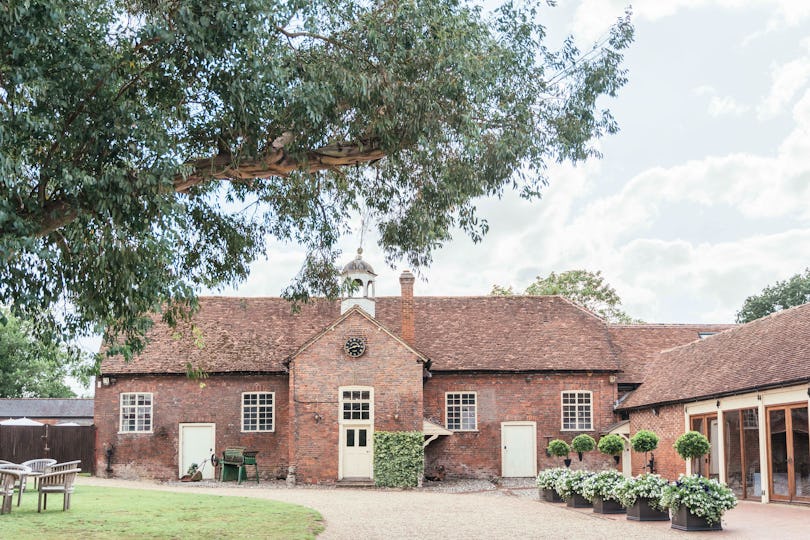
x,y
702,199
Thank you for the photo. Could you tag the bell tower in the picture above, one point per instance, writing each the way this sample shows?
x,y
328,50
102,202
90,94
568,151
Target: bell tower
x,y
362,276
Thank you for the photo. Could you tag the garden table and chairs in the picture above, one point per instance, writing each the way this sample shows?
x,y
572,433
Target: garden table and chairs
x,y
48,475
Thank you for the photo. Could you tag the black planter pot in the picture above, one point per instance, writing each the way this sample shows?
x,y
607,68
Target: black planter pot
x,y
578,501
642,511
579,454
567,462
616,459
684,520
550,495
607,506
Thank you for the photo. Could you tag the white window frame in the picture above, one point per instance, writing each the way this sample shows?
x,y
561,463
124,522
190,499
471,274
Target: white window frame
x,y
460,405
258,407
138,410
341,401
577,421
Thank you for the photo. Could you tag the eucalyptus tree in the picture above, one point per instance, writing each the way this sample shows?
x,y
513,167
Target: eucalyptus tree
x,y
149,147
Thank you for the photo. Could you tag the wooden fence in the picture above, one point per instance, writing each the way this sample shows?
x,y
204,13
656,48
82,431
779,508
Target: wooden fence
x,y
62,443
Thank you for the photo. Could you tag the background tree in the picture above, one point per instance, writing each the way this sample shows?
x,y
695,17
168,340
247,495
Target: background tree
x,y
32,368
583,287
794,291
149,147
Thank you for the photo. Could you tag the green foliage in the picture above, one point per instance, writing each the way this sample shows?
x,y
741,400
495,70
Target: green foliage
x,y
692,444
612,445
572,483
148,149
582,287
548,478
559,448
644,441
703,497
645,486
583,443
33,366
794,291
399,458
602,485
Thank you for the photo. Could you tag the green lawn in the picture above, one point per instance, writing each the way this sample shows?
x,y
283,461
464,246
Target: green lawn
x,y
98,512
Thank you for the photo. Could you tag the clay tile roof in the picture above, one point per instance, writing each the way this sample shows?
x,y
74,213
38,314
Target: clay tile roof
x,y
770,351
637,345
457,333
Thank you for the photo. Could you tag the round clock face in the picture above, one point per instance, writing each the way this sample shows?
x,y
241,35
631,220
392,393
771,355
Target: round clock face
x,y
355,346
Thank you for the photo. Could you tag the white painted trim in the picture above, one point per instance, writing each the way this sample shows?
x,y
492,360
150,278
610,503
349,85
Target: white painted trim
x,y
758,400
534,440
180,427
355,423
121,412
446,407
562,416
242,412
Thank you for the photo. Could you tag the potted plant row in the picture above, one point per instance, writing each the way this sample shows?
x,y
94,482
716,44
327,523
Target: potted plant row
x,y
694,502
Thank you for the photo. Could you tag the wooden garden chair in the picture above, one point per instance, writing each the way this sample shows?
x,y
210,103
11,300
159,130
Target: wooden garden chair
x,y
64,466
8,478
38,467
22,476
57,482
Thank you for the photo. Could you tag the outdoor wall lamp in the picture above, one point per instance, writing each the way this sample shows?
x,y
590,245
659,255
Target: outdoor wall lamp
x,y
316,417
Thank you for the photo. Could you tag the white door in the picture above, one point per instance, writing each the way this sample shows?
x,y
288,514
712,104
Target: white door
x,y
356,451
518,449
197,443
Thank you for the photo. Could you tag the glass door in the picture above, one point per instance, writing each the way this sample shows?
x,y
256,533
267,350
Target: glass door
x,y
789,452
707,465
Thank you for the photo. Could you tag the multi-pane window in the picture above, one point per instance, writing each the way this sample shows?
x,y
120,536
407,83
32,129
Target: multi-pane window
x,y
461,411
257,411
356,404
577,411
136,412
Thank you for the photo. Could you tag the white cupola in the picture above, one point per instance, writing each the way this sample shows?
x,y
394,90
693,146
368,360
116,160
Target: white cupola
x,y
362,275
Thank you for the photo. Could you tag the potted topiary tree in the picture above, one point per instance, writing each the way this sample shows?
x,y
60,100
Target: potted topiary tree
x,y
546,481
641,496
645,441
696,503
600,490
559,448
612,445
583,443
570,487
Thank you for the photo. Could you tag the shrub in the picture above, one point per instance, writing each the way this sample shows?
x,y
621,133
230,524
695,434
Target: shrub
x,y
602,485
644,441
703,497
583,443
548,477
612,445
399,458
692,444
645,486
558,448
572,483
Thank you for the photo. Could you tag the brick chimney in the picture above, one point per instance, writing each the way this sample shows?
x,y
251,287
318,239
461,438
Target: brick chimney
x,y
408,326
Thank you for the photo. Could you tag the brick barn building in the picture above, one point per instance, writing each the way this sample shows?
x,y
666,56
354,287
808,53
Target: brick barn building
x,y
489,381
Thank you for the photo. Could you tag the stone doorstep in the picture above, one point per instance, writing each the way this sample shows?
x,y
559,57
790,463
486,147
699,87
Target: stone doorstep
x,y
354,483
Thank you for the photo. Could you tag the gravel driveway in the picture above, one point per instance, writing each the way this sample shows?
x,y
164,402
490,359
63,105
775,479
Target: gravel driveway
x,y
481,510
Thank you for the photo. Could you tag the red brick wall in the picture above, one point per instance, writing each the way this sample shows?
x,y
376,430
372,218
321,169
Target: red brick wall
x,y
512,397
387,366
178,399
668,425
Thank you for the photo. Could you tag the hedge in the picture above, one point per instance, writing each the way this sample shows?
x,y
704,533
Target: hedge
x,y
399,458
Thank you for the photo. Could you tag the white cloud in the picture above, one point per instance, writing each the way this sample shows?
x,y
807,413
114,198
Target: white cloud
x,y
787,81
